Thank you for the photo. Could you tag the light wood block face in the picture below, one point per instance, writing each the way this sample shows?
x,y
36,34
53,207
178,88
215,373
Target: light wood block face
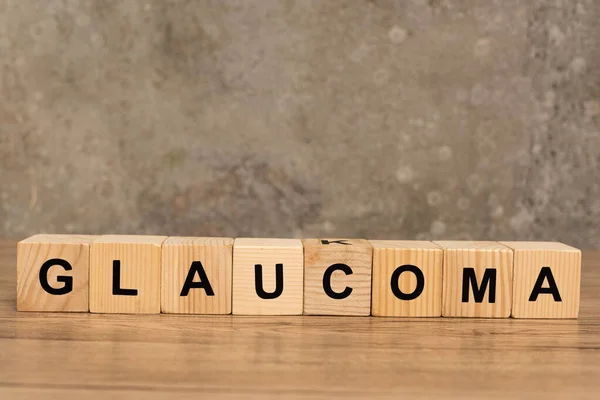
x,y
547,278
337,277
255,265
407,278
196,275
471,267
125,274
52,273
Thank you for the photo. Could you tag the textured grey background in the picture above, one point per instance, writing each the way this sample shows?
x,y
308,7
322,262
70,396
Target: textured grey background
x,y
379,119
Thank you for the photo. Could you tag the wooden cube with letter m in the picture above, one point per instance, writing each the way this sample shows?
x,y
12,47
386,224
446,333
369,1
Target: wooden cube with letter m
x,y
477,279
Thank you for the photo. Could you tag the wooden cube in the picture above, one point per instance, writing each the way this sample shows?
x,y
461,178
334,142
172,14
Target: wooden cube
x,y
547,277
337,276
267,276
125,274
52,273
196,275
407,278
477,279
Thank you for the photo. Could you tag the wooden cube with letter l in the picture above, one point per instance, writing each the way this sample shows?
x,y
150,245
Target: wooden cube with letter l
x,y
267,276
337,276
53,273
196,275
547,277
477,279
407,279
125,274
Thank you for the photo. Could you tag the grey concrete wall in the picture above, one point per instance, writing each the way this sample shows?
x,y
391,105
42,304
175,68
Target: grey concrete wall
x,y
425,119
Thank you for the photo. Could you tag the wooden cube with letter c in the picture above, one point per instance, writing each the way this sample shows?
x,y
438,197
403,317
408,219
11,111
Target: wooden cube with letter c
x,y
337,277
196,275
52,273
125,274
407,278
547,277
477,279
267,276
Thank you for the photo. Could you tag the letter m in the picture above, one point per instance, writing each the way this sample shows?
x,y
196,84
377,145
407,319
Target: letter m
x,y
489,278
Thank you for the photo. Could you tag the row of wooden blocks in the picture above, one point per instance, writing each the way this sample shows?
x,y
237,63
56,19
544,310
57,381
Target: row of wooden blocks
x,y
250,276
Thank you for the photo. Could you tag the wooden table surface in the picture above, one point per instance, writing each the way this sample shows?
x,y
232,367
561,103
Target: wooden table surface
x,y
160,356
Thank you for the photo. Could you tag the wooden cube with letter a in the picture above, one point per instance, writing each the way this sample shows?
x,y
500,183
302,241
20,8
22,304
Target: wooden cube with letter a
x,y
477,279
337,276
407,278
267,276
196,275
125,274
547,277
52,273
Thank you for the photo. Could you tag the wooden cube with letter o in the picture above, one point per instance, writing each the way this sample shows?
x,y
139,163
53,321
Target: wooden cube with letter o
x,y
407,278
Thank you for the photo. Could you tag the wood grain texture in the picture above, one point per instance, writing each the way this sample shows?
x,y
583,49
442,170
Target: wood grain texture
x,y
33,252
318,257
216,257
565,265
388,255
140,258
480,256
98,356
247,252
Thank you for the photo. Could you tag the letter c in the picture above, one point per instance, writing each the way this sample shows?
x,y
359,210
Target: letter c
x,y
327,281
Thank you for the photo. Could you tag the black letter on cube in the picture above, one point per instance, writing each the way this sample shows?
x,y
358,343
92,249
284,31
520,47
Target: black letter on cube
x,y
327,281
116,286
489,277
396,277
204,283
67,280
258,282
545,273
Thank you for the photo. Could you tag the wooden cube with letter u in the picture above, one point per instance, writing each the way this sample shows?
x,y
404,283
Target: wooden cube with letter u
x,y
337,277
267,276
477,279
125,274
547,279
